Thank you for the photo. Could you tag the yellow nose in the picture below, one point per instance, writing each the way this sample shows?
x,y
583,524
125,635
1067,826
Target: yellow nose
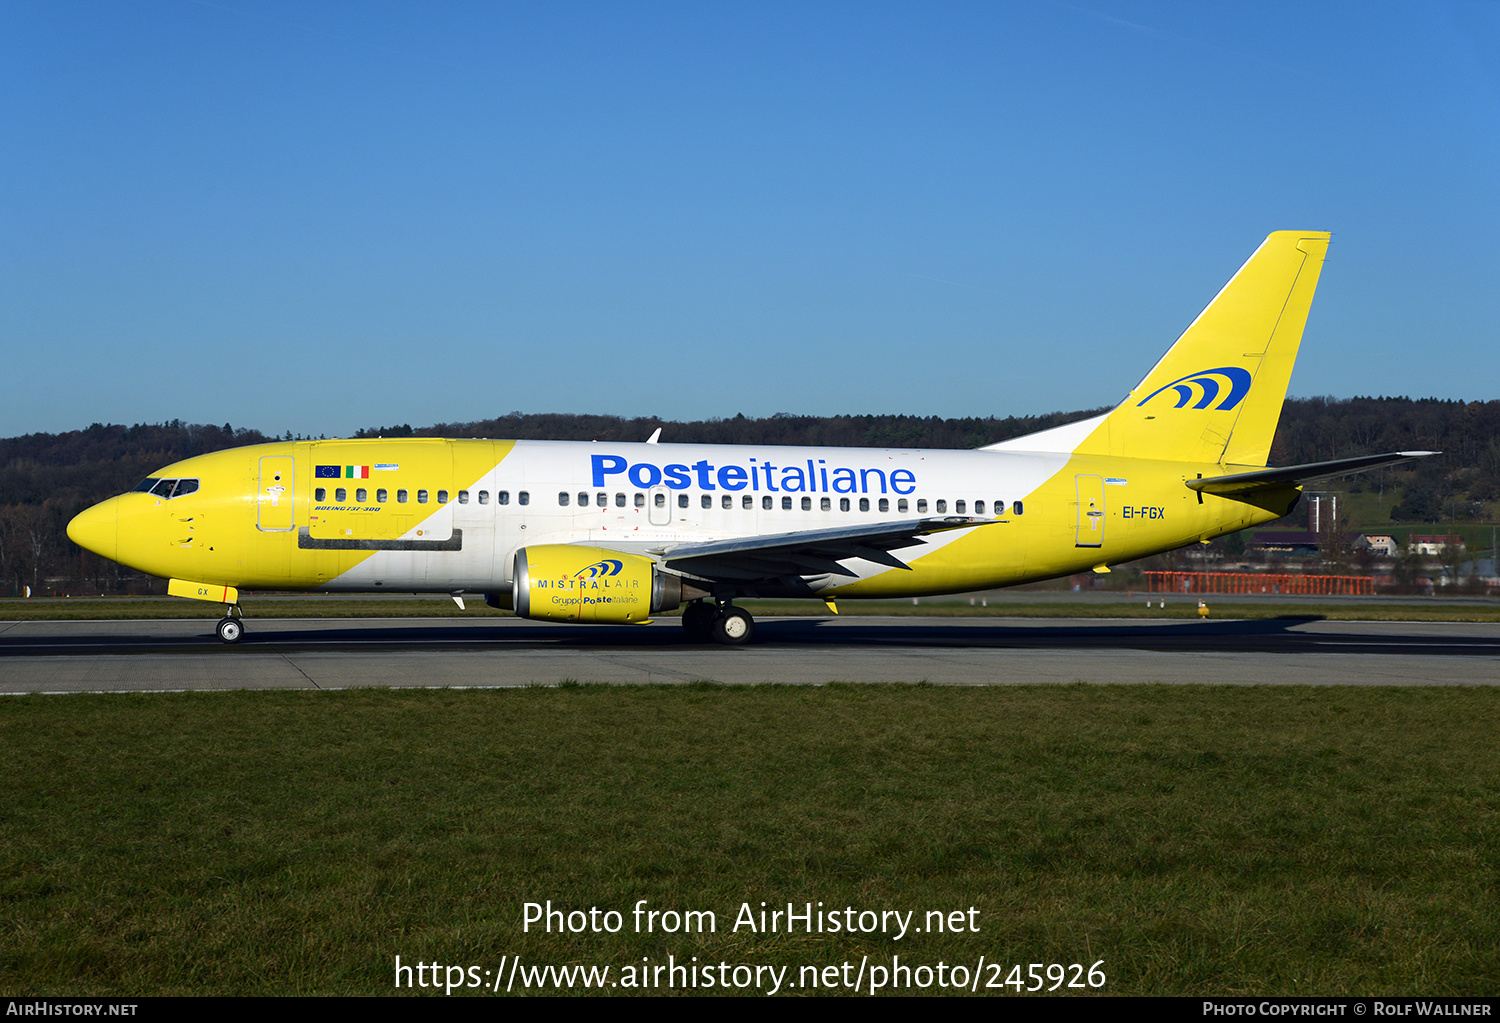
x,y
98,530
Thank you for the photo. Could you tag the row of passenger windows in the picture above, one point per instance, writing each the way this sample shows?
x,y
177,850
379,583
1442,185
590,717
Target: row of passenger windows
x,y
767,503
165,488
382,496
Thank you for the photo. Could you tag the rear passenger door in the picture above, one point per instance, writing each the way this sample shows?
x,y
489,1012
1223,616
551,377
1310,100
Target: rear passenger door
x,y
1090,527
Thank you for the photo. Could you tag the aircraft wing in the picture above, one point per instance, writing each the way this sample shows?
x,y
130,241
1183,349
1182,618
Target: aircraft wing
x,y
1242,482
809,552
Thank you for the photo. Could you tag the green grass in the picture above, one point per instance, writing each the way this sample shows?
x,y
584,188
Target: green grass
x,y
1198,840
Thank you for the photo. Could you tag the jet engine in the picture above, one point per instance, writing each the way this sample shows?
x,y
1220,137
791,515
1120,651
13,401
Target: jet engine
x,y
567,583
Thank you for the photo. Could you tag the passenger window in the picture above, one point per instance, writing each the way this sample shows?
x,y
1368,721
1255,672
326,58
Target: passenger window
x,y
484,497
901,505
382,495
827,504
602,500
341,495
421,497
523,497
960,506
707,501
619,500
361,496
885,505
727,501
786,504
864,504
1018,508
765,504
401,496
682,500
747,502
807,504
502,497
661,500
562,499
843,504
978,507
583,499
320,494
921,506
463,497
640,500
442,497
942,506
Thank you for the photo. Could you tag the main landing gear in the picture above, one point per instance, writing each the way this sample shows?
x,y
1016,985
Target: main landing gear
x,y
723,623
232,626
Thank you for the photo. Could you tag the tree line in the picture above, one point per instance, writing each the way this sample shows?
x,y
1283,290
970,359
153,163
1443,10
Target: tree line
x,y
46,479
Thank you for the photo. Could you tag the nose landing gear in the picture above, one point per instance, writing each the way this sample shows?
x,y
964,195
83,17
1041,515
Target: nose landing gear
x,y
231,627
723,623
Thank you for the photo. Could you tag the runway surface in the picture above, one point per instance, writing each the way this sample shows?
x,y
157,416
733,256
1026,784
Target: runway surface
x,y
124,656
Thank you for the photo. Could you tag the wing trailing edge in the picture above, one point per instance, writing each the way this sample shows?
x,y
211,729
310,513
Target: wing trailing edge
x,y
810,551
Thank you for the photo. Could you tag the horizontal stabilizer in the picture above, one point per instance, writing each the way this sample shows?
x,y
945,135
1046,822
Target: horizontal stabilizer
x,y
1241,482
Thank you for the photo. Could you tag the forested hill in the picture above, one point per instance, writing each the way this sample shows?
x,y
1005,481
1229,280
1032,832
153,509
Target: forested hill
x,y
829,431
86,466
45,479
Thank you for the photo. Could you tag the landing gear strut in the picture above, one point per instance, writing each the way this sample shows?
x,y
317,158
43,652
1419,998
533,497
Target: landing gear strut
x,y
698,619
231,627
724,623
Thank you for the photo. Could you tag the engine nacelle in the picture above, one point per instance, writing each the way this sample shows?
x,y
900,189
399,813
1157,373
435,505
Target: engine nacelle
x,y
566,583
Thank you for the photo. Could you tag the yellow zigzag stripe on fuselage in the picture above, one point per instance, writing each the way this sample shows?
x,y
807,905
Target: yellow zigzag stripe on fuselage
x,y
214,535
1149,512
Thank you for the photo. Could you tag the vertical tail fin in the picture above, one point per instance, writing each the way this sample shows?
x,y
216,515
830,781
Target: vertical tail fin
x,y
1216,395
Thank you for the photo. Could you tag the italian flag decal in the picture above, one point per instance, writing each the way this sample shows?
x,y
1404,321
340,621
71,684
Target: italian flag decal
x,y
356,472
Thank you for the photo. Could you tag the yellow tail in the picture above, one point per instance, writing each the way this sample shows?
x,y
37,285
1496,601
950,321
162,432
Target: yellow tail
x,y
1216,395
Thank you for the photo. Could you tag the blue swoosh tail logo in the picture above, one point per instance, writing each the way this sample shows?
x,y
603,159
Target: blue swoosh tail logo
x,y
1204,386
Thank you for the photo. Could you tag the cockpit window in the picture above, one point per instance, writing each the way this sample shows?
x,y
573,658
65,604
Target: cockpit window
x,y
165,488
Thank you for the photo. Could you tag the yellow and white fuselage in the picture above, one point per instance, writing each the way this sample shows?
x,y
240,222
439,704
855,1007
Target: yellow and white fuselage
x,y
450,515
611,532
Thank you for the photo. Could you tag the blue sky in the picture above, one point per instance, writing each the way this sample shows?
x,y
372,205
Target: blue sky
x,y
320,217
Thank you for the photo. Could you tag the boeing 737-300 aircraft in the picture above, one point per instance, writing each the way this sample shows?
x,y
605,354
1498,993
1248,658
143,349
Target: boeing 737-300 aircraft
x,y
594,532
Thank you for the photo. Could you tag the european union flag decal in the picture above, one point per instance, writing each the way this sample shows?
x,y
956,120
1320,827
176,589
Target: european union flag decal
x,y
328,472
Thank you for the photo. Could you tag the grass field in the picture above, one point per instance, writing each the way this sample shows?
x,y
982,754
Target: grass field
x,y
1196,840
1016,605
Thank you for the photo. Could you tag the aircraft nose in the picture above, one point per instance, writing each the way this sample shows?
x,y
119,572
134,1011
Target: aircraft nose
x,y
98,530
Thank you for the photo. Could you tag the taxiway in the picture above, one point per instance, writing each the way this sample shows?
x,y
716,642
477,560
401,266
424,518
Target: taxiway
x,y
137,656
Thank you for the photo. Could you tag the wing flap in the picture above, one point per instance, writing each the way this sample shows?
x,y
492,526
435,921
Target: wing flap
x,y
809,552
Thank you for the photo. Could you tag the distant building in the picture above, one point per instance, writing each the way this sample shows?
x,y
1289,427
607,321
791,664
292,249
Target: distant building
x,y
1378,543
1481,570
1283,541
1432,545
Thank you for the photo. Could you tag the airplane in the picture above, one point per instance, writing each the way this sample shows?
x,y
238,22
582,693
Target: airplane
x,y
613,533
